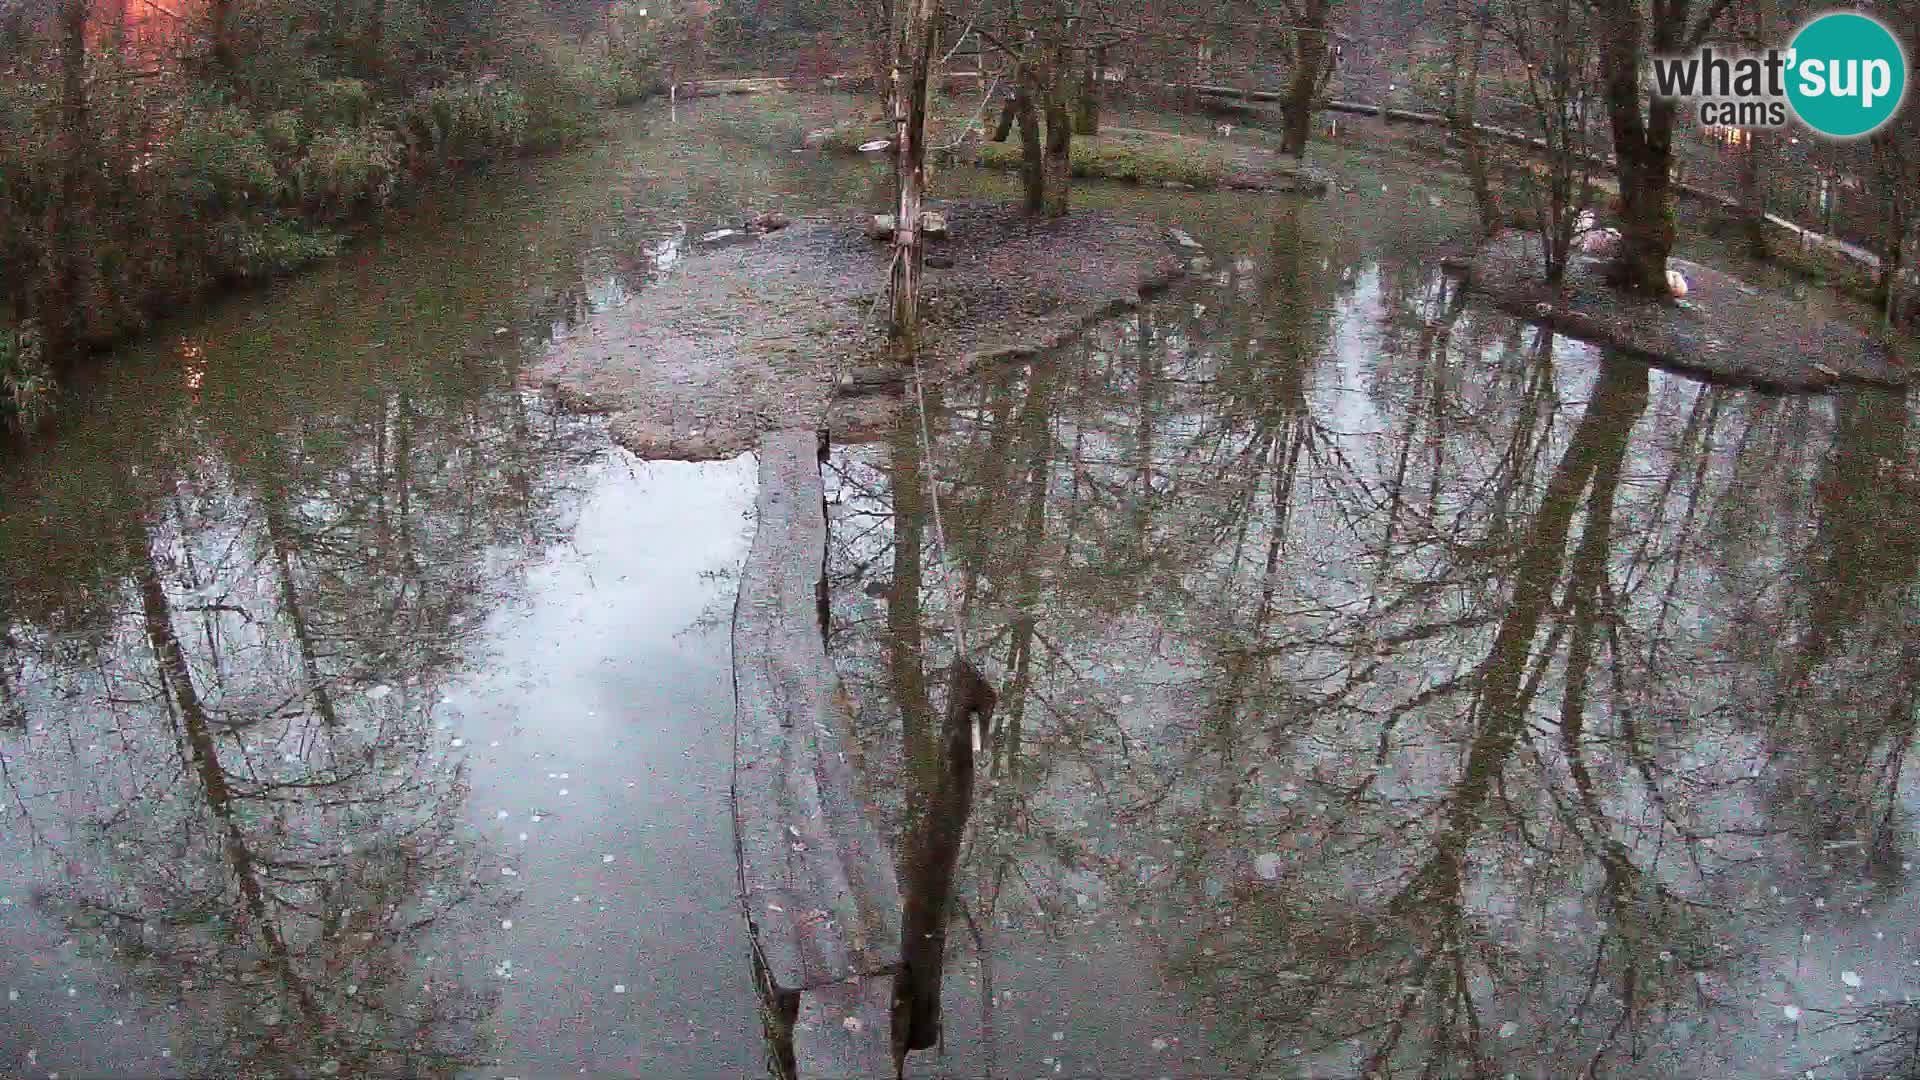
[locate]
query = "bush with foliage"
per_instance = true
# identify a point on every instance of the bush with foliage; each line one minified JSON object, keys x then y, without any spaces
{"x":193,"y":170}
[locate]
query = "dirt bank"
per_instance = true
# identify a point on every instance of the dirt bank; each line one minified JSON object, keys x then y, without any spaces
{"x":759,"y":335}
{"x":1726,"y":329}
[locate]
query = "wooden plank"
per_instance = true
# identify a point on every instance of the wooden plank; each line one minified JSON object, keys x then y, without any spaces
{"x":821,"y":896}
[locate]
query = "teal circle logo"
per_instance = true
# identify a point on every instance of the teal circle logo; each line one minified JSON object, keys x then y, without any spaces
{"x":1846,"y":75}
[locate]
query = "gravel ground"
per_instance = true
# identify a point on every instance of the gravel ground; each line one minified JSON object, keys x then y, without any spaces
{"x":757,"y":336}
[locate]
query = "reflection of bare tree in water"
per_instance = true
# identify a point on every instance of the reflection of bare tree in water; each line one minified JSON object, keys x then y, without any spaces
{"x":1301,"y":973}
{"x":278,"y":848}
{"x":286,"y":902}
{"x":1445,"y":740}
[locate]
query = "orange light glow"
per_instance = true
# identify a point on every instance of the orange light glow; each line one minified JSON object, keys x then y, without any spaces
{"x":151,"y":28}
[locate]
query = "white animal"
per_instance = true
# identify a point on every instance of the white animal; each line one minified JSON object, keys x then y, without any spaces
{"x":1676,"y":284}
{"x":1223,"y":129}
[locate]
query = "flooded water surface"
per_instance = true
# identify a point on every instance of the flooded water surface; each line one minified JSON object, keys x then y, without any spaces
{"x":1386,"y":688}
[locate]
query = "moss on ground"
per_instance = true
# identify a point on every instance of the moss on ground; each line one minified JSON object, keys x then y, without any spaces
{"x":1132,"y":158}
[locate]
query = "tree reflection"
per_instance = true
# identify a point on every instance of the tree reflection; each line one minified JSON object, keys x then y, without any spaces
{"x":1454,"y":699}
{"x":266,"y":826}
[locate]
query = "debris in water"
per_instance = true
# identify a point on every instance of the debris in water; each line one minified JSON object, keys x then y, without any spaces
{"x":502,"y":815}
{"x":619,"y":988}
{"x":853,"y":1024}
{"x":1158,"y":1045}
{"x":499,"y":331}
{"x":1059,"y":1035}
{"x":458,"y":743}
{"x":508,"y":871}
{"x":506,"y":924}
{"x":1851,"y":978}
{"x":606,"y":858}
{"x":1793,"y":1012}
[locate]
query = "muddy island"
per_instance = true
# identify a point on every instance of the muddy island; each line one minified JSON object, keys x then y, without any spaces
{"x":788,"y":330}
{"x":1725,"y":330}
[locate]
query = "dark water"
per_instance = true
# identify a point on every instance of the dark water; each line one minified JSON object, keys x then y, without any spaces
{"x":1391,"y":691}
{"x":1384,"y":689}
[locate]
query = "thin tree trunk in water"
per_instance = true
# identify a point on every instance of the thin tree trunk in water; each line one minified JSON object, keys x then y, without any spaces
{"x":910,"y":177}
{"x":904,"y":631}
{"x":1033,"y":179}
{"x":296,"y":615}
{"x":1466,"y":121}
{"x":933,"y":854}
{"x":1753,"y":196}
{"x":1310,"y":51}
{"x":59,"y":307}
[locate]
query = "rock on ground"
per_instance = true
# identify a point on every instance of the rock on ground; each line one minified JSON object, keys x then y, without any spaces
{"x":753,"y":337}
{"x":1726,"y":329}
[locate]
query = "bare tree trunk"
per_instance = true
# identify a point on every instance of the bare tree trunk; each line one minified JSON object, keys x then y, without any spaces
{"x":1309,"y":54}
{"x":220,"y":34}
{"x":1465,"y":106}
{"x":1003,"y":127}
{"x":1086,"y":120}
{"x":374,"y":44}
{"x":1753,"y":195}
{"x":1889,"y":167}
{"x":1057,"y":162}
{"x":1464,"y":12}
{"x":884,"y":41}
{"x":932,"y":857}
{"x":910,"y":175}
{"x":59,"y":308}
{"x":1033,"y":178}
{"x":1643,"y":146}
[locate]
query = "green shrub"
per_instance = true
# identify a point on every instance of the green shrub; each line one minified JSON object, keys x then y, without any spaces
{"x":636,"y":48}
{"x":348,"y":172}
{"x":218,"y":160}
{"x":466,"y":122}
{"x":26,"y":385}
{"x":341,"y":103}
{"x":251,"y":249}
{"x":564,"y":93}
{"x":285,"y":133}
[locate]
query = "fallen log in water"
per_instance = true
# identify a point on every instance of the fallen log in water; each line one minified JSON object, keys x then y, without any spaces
{"x":821,"y":896}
